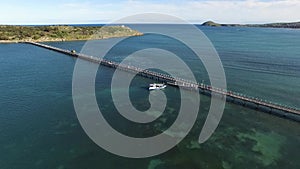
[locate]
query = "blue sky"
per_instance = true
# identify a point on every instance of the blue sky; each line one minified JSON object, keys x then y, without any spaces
{"x":106,"y":11}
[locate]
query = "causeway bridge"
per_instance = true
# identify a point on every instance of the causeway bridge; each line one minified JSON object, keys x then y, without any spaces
{"x":233,"y":97}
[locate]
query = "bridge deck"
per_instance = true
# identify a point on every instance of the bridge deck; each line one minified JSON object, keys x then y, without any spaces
{"x":286,"y":111}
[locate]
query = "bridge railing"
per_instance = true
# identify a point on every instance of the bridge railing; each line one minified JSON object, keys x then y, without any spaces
{"x":176,"y":80}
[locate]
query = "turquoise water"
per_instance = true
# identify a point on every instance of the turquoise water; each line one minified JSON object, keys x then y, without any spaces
{"x":39,"y":128}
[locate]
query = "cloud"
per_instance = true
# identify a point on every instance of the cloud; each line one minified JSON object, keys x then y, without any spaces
{"x":228,"y":11}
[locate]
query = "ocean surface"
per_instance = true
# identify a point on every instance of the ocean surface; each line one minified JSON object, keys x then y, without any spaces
{"x":39,"y":127}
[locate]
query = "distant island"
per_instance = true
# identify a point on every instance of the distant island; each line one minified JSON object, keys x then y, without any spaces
{"x":12,"y":33}
{"x":293,"y":25}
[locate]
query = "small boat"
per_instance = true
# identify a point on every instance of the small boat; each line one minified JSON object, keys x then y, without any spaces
{"x":157,"y":86}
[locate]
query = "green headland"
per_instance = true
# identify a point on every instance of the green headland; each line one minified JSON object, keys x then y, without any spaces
{"x":293,"y":25}
{"x":12,"y":33}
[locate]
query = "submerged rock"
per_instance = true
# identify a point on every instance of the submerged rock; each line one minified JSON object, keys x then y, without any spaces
{"x":267,"y":145}
{"x":193,"y":145}
{"x":154,"y":163}
{"x":226,"y":165}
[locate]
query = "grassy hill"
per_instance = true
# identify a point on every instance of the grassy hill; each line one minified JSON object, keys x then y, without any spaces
{"x":9,"y":33}
{"x":211,"y":23}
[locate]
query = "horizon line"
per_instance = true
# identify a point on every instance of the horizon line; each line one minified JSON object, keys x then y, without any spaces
{"x":107,"y":23}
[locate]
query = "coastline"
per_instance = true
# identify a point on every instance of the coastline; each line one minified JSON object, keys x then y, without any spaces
{"x":291,"y":25}
{"x":64,"y":40}
{"x":60,"y":33}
